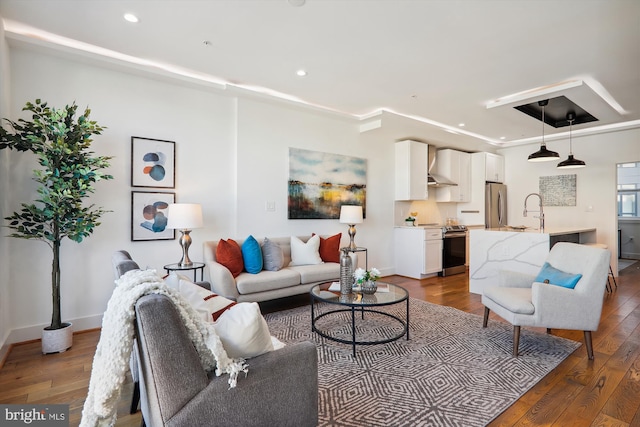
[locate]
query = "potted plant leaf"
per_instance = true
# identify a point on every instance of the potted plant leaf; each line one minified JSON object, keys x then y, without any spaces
{"x":66,"y":177}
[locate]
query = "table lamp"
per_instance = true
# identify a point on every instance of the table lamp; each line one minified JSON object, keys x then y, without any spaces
{"x":185,"y":217}
{"x":351,"y":215}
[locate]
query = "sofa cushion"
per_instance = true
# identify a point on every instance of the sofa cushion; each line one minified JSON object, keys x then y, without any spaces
{"x":330,"y":248}
{"x":272,"y":255}
{"x":516,"y":300}
{"x":305,"y":253}
{"x":252,"y":255}
{"x":229,"y":254}
{"x":243,"y":331}
{"x":317,"y":273}
{"x":267,"y":280}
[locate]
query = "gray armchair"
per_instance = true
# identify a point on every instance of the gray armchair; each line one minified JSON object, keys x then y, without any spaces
{"x":281,"y":388}
{"x":523,"y":302}
{"x":172,"y":388}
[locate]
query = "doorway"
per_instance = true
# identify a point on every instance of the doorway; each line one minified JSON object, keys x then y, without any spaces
{"x":628,"y":182}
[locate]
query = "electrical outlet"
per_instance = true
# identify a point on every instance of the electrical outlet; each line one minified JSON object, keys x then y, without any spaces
{"x":270,"y":206}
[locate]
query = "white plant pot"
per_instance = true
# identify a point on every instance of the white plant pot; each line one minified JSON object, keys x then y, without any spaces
{"x":57,"y":340}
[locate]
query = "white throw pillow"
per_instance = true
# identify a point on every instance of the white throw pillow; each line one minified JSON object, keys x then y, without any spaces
{"x":305,"y":253}
{"x":243,"y":331}
{"x":173,"y":280}
{"x":209,"y":305}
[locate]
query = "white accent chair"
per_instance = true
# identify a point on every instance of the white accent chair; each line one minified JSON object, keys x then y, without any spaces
{"x":523,"y":302}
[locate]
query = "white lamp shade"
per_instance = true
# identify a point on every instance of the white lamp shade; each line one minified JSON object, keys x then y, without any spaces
{"x":184,"y":216}
{"x":349,"y":214}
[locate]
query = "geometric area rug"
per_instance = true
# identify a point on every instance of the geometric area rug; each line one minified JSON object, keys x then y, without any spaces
{"x":451,"y":371}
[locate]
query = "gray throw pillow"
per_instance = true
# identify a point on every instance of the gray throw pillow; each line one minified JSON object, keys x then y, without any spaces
{"x":272,"y":256}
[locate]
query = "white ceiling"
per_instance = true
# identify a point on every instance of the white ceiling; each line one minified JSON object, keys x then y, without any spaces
{"x":436,"y":61}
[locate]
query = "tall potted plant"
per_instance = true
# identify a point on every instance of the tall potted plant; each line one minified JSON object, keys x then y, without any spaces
{"x":66,"y":177}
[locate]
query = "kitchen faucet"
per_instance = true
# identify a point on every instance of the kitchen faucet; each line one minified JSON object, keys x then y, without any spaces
{"x":541,"y":211}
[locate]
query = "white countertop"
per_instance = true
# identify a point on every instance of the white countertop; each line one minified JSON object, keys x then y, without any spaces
{"x":420,"y":227}
{"x":551,"y":231}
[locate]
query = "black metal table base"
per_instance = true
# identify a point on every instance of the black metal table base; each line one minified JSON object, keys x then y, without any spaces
{"x":354,"y":342}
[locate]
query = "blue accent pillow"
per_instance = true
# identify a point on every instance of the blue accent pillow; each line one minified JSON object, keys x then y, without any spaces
{"x":553,"y":276}
{"x":252,"y":255}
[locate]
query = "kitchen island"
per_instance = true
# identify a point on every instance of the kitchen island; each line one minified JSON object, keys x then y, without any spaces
{"x":492,"y":250}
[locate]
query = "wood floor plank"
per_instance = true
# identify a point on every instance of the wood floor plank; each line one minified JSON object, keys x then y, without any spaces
{"x":624,"y":402}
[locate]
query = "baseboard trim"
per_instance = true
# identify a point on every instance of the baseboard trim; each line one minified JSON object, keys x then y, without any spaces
{"x":31,"y":333}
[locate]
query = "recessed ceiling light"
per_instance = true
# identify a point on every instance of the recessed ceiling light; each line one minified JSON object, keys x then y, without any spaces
{"x":301,"y":73}
{"x":503,"y":137}
{"x":461,"y":125}
{"x":131,"y":17}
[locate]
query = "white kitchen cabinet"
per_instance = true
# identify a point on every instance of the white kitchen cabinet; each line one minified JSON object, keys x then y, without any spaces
{"x":411,"y":169}
{"x":455,"y":166}
{"x":494,"y":167}
{"x":483,"y":167}
{"x":432,"y":256}
{"x":418,"y":251}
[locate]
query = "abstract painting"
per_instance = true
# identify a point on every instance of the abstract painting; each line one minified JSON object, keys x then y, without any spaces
{"x":319,"y":183}
{"x":153,"y":163}
{"x":149,"y":216}
{"x":558,"y":190}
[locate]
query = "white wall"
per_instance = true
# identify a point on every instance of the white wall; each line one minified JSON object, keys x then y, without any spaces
{"x":232,"y":157}
{"x":4,"y":194}
{"x":201,"y":123}
{"x":596,"y":183}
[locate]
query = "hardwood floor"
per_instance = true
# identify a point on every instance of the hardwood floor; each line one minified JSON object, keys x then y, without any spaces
{"x":579,"y":392}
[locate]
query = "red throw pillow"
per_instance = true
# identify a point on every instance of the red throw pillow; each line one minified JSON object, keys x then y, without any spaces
{"x":330,"y":248}
{"x":229,"y":254}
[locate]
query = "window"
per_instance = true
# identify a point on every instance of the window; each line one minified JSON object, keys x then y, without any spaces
{"x":628,"y":189}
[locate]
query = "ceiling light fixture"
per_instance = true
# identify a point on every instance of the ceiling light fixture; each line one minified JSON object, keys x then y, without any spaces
{"x":571,"y":162}
{"x":301,"y":73}
{"x":543,"y":155}
{"x":131,"y":17}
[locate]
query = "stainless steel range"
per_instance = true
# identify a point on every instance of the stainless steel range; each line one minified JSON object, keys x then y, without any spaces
{"x":454,"y":249}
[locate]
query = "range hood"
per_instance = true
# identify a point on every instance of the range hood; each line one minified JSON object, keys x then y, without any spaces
{"x":433,"y":179}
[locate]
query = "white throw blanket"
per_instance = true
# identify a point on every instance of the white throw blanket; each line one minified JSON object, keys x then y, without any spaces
{"x":110,"y":362}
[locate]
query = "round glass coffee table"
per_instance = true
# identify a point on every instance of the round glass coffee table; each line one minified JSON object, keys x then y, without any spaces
{"x":387,"y":294}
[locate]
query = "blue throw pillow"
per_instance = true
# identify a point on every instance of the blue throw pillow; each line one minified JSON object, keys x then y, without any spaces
{"x":252,"y":255}
{"x":553,"y":276}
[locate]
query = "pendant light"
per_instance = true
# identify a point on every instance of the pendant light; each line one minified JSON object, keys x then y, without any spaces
{"x":543,"y":155}
{"x":571,"y":163}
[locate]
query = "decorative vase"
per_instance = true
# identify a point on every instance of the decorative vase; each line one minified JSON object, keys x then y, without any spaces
{"x":369,"y":287}
{"x":57,"y":340}
{"x":346,"y":272}
{"x":410,"y":223}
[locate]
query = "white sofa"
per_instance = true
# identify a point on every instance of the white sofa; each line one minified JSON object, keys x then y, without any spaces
{"x":268,"y":285}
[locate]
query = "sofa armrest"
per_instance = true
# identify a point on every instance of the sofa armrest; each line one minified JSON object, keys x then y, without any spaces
{"x":281,"y":389}
{"x":553,"y":310}
{"x":222,"y":281}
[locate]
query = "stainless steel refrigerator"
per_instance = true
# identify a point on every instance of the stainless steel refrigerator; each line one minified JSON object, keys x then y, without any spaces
{"x":495,"y":214}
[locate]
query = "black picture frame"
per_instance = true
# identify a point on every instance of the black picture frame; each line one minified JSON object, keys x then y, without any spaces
{"x":149,"y":215}
{"x":153,"y":163}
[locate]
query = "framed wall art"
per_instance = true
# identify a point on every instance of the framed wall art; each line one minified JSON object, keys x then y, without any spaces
{"x":149,"y":215}
{"x":153,"y":163}
{"x":558,"y":190}
{"x":319,"y":183}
